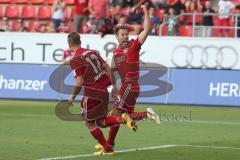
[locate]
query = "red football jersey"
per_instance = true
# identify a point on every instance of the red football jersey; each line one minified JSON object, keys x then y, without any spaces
{"x":81,"y":5}
{"x":67,"y":54}
{"x":89,"y":65}
{"x":126,"y":61}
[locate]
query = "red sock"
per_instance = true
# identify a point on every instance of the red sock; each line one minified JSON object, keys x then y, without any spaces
{"x":112,"y":134}
{"x":112,"y":120}
{"x":136,"y":116}
{"x":98,"y":135}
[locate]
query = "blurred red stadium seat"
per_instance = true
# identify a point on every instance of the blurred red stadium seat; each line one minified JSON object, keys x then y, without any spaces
{"x":236,"y":2}
{"x":49,"y":1}
{"x":66,"y":13}
{"x":69,"y":2}
{"x":164,"y":30}
{"x":198,"y":17}
{"x":20,"y":1}
{"x":5,"y":1}
{"x":11,"y":11}
{"x":71,"y":26}
{"x":231,"y":32}
{"x":112,"y":11}
{"x":44,"y":12}
{"x":1,"y":11}
{"x":185,"y":30}
{"x":36,"y":1}
{"x":33,"y":24}
{"x":215,"y":32}
{"x":14,"y":25}
{"x":28,"y":11}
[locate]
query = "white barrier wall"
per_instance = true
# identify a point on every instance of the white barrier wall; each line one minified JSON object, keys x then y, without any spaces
{"x":158,"y":84}
{"x":221,"y":53}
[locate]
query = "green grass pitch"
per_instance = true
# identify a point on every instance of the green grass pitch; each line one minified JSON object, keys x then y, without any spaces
{"x":30,"y":130}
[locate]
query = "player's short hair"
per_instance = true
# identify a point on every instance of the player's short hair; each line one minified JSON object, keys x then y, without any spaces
{"x":74,"y":38}
{"x":119,"y":27}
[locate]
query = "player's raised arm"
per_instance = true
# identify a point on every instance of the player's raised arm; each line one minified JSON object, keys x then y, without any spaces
{"x":146,"y":25}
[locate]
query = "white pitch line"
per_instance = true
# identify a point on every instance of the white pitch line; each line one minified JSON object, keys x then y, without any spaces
{"x":140,"y":149}
{"x":214,"y":122}
{"x":120,"y":151}
{"x":214,"y":147}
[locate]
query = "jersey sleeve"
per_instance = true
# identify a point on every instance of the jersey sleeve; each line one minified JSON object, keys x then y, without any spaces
{"x":136,"y":44}
{"x":134,"y":50}
{"x":79,"y":71}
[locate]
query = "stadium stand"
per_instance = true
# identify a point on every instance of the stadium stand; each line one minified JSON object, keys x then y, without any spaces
{"x":5,"y":1}
{"x":1,"y":11}
{"x":28,"y":11}
{"x":20,"y":1}
{"x":44,"y":12}
{"x":36,"y":1}
{"x":11,"y":11}
{"x":185,"y":30}
{"x":41,"y":10}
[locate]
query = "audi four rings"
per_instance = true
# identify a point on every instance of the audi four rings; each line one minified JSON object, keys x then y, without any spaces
{"x":210,"y":57}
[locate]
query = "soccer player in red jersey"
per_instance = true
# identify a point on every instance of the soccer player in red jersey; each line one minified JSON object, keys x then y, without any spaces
{"x":92,"y":74}
{"x":67,"y":56}
{"x":126,"y":64}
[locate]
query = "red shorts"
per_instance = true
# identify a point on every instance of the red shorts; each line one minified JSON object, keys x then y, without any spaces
{"x":95,"y":104}
{"x":127,"y":96}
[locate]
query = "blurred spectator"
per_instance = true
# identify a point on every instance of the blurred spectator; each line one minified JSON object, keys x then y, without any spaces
{"x":237,"y":10}
{"x":120,"y":3}
{"x":5,"y":26}
{"x":58,"y":13}
{"x":127,"y":3}
{"x":172,"y":2}
{"x":67,"y":56}
{"x":207,"y":19}
{"x":105,"y":26}
{"x":136,"y":16}
{"x":172,"y":23}
{"x":155,"y":22}
{"x":159,"y":3}
{"x":63,"y":28}
{"x":90,"y":27}
{"x":22,"y":26}
{"x":135,"y":20}
{"x":116,"y":14}
{"x":179,"y":7}
{"x":81,"y":14}
{"x":43,"y":28}
{"x":224,"y":8}
{"x":122,"y":20}
{"x":99,"y":10}
{"x":189,"y":6}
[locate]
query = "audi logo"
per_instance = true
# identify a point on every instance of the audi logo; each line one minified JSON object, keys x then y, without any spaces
{"x":209,"y":57}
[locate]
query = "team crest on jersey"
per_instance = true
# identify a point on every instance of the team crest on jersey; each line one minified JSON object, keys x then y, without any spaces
{"x":120,"y":59}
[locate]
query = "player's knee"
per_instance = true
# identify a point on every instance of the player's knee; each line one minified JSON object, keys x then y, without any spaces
{"x":101,"y":123}
{"x":90,"y":124}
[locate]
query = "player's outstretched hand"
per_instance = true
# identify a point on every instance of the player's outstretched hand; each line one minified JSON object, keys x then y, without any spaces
{"x":70,"y":101}
{"x":144,"y":7}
